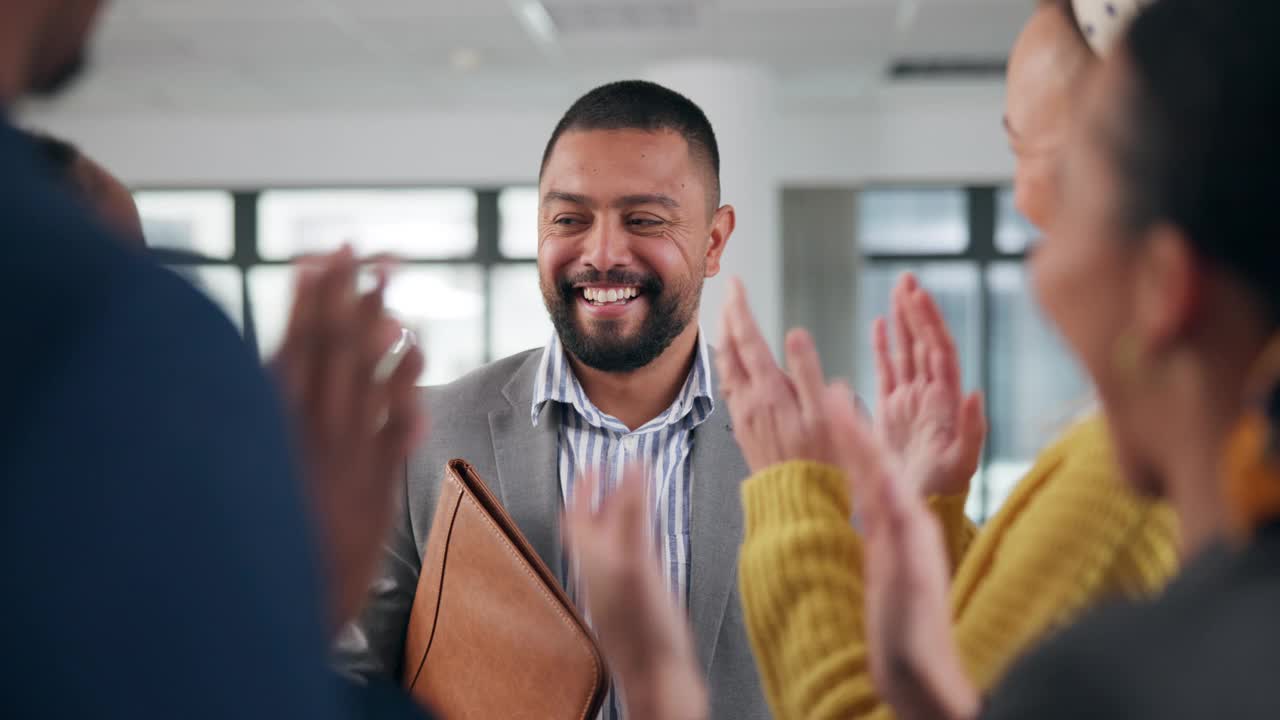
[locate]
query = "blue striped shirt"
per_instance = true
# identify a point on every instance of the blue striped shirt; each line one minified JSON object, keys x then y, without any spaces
{"x":589,"y":439}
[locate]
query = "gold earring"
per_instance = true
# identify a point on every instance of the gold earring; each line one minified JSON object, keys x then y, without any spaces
{"x":1251,"y":467}
{"x":1252,"y":482}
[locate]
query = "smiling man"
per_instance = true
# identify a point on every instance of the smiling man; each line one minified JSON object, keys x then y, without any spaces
{"x":630,"y":225}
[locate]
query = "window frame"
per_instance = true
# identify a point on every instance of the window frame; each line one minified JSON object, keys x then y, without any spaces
{"x":245,"y":254}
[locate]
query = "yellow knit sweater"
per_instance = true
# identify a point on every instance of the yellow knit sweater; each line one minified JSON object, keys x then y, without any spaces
{"x":1069,"y":535}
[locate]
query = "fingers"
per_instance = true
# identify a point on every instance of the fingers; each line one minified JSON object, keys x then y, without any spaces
{"x":973,"y":424}
{"x":373,"y":332}
{"x":624,"y":514}
{"x":756,"y":357}
{"x":292,"y":360}
{"x":406,"y":417}
{"x":806,"y":373}
{"x":581,"y":511}
{"x":859,"y":455}
{"x":884,"y":361}
{"x":904,"y":340}
{"x":733,"y":374}
{"x":333,"y":352}
{"x":928,"y":323}
{"x":923,"y":365}
{"x":628,"y":507}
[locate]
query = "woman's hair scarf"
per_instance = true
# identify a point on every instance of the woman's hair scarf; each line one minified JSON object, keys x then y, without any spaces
{"x":1103,"y":22}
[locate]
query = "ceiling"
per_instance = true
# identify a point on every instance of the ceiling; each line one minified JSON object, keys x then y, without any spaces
{"x":250,"y":55}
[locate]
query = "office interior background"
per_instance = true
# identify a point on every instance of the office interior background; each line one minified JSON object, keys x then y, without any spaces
{"x":859,"y":138}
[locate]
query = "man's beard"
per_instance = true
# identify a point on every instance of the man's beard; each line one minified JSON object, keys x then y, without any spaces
{"x":605,"y":349}
{"x":61,"y":78}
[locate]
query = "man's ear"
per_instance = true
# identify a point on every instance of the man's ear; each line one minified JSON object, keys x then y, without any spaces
{"x":722,"y":225}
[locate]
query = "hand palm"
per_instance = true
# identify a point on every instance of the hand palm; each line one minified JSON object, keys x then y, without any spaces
{"x":920,"y":428}
{"x":927,"y":426}
{"x":914,"y":662}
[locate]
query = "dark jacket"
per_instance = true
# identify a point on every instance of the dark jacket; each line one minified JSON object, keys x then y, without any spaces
{"x":158,"y":560}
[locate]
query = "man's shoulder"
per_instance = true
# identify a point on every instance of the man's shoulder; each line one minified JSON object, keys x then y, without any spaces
{"x":486,"y":386}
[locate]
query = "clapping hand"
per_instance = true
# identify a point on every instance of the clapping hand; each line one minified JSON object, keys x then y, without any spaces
{"x":933,"y":431}
{"x":643,"y":633}
{"x":355,"y":422}
{"x":777,"y":416}
{"x":914,"y":661}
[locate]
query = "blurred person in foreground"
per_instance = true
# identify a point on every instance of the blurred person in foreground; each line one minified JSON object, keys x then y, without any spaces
{"x":1159,"y":271}
{"x":1070,"y":536}
{"x":162,"y":562}
{"x":108,"y":197}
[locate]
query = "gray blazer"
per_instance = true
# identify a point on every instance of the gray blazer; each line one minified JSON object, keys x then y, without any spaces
{"x":485,"y":419}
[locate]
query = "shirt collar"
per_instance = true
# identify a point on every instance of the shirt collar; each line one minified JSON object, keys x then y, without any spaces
{"x":556,"y":382}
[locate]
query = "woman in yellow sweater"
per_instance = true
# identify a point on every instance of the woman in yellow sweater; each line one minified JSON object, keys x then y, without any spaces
{"x":1069,"y":536}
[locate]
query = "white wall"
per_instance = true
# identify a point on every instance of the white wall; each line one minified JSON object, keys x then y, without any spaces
{"x":903,"y":135}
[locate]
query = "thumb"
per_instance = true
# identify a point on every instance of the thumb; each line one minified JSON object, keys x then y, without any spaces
{"x":973,"y":422}
{"x":859,"y":456}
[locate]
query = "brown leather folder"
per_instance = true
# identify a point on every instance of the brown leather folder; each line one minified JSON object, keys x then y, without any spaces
{"x":491,"y":633}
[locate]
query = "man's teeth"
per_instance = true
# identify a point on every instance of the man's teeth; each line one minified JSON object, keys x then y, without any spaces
{"x":602,"y":296}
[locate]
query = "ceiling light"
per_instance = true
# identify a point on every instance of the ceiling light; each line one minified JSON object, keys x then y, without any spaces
{"x":533,"y":15}
{"x":465,"y":59}
{"x":907,"y":12}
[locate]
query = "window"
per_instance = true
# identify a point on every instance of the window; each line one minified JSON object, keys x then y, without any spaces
{"x":912,"y":221}
{"x":193,"y":232}
{"x":1036,"y":388}
{"x":518,"y":210}
{"x":198,"y":222}
{"x":223,"y":284}
{"x":967,"y":246}
{"x":1014,"y":234}
{"x":403,"y":223}
{"x":520,"y":319}
{"x":466,"y":282}
{"x":442,"y":304}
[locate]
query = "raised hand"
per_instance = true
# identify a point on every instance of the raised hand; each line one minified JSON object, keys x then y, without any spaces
{"x":934,"y":431}
{"x":644,"y":635}
{"x":776,"y":416}
{"x":914,"y":661}
{"x":356,"y":422}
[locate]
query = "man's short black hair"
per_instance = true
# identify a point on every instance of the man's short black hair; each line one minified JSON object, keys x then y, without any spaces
{"x":643,"y":105}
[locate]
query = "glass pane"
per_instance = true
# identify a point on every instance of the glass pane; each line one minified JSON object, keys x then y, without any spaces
{"x":518,"y":222}
{"x":223,"y":285}
{"x":1037,"y":388}
{"x":404,"y":223}
{"x":193,"y":221}
{"x":1014,"y":233}
{"x":520,"y":319}
{"x":912,"y":221}
{"x":444,"y":305}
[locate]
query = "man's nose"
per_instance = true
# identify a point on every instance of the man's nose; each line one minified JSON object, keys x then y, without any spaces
{"x":606,"y":246}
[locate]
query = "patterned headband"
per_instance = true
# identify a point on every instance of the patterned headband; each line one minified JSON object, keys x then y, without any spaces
{"x":1104,"y":21}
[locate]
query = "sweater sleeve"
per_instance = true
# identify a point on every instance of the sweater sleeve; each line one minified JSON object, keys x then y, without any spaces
{"x":801,"y":584}
{"x":958,"y":531}
{"x":1053,"y":549}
